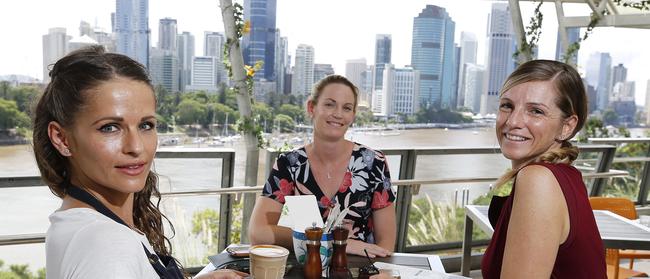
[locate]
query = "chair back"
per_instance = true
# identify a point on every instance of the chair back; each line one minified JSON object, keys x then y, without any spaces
{"x":620,"y":206}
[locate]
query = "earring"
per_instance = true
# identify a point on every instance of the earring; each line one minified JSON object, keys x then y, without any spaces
{"x":66,"y":152}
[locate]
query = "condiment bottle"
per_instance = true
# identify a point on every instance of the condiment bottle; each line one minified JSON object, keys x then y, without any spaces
{"x":339,"y":262}
{"x":313,"y":268}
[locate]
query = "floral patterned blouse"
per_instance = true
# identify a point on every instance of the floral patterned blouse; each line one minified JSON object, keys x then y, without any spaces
{"x":365,"y":187}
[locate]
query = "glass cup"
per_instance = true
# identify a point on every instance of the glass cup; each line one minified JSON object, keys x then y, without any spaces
{"x":268,"y":261}
{"x":644,"y":220}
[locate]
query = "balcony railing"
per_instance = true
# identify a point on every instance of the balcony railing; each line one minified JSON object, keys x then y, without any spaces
{"x":595,"y":166}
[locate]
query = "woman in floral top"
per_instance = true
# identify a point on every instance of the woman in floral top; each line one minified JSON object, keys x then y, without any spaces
{"x":336,"y":171}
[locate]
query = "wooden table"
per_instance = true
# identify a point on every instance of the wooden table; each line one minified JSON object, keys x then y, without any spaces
{"x":617,"y":232}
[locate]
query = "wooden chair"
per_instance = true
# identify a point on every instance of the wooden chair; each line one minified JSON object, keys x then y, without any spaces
{"x":625,"y":208}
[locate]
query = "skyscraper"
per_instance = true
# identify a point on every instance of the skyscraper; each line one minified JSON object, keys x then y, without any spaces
{"x":400,"y":91}
{"x":132,"y":29}
{"x":204,"y":73}
{"x":573,"y":35}
{"x":322,"y":70}
{"x":167,"y":33}
{"x":259,"y":44}
{"x":163,"y":68}
{"x":468,"y":50}
{"x":354,"y":69}
{"x":213,"y":46}
{"x":500,"y":63}
{"x":303,"y":71}
{"x":599,"y":70}
{"x":647,"y":104}
{"x":54,"y":47}
{"x":473,"y":86}
{"x":185,"y":52}
{"x":432,"y":53}
{"x":383,"y":49}
{"x":282,"y":61}
{"x":619,"y":74}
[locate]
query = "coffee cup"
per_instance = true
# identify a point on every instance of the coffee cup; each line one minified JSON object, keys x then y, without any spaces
{"x":268,"y":261}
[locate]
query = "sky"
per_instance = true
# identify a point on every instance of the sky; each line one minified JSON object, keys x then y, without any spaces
{"x":337,"y":29}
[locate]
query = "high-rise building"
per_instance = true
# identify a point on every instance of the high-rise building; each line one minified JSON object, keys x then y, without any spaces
{"x":619,"y":74}
{"x":105,"y":39}
{"x":473,"y":86}
{"x":167,"y":34}
{"x":500,"y":63}
{"x":55,"y":46}
{"x":400,"y":91}
{"x":599,"y":70}
{"x":163,"y":68}
{"x":213,"y":45}
{"x":185,"y":52}
{"x":204,"y":73}
{"x":259,"y":44}
{"x":383,"y":49}
{"x":322,"y":70}
{"x":573,"y":35}
{"x":282,"y":62}
{"x":86,"y":29}
{"x":432,"y":53}
{"x":132,"y":29}
{"x":622,"y":102}
{"x":80,"y":42}
{"x":303,"y":71}
{"x":354,"y":69}
{"x":468,"y":50}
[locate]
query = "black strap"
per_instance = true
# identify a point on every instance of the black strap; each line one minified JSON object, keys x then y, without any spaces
{"x":169,"y":271}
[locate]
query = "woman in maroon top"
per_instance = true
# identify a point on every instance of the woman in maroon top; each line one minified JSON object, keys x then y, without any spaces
{"x":545,"y":229}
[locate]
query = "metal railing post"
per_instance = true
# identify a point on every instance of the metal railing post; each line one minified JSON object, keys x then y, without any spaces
{"x":404,"y":197}
{"x":225,"y":204}
{"x":642,"y":198}
{"x":604,"y":164}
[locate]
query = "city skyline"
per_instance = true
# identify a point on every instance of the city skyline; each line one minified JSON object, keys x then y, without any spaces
{"x":336,"y":34}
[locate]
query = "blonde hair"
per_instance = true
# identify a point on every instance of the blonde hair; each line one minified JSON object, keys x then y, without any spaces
{"x":571,"y":99}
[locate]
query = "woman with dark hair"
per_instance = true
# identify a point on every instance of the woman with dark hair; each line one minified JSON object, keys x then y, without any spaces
{"x":336,"y":171}
{"x":94,"y":142}
{"x":545,"y":228}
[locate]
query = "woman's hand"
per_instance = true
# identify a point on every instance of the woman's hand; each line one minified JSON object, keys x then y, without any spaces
{"x":356,"y":247}
{"x":223,"y":274}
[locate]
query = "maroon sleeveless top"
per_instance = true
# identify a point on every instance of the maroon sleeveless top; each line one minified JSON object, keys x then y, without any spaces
{"x":582,"y":254}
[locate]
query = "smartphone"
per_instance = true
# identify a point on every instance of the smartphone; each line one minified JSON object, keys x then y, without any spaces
{"x":238,"y":251}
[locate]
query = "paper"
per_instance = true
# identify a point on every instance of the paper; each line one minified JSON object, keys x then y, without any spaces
{"x":416,"y":273}
{"x":300,"y":212}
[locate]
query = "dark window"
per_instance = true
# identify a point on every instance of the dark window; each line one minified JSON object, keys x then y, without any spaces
{"x":428,"y":77}
{"x":430,"y":45}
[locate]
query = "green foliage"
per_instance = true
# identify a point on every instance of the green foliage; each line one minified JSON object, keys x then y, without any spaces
{"x":431,"y":115}
{"x":205,"y":224}
{"x":191,"y":111}
{"x":284,"y":123}
{"x":434,"y":223}
{"x":11,"y":117}
{"x":293,"y":111}
{"x":20,"y":271}
{"x":533,"y":33}
{"x":610,"y":117}
{"x":263,"y":112}
{"x":364,"y":118}
{"x":249,"y":124}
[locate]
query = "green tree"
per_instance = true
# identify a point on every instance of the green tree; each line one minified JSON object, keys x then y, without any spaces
{"x":191,"y":111}
{"x":11,"y":117}
{"x":205,"y":224}
{"x":264,"y":113}
{"x":610,"y":117}
{"x":364,"y":118}
{"x":285,"y":123}
{"x":24,"y":96}
{"x":293,"y":111}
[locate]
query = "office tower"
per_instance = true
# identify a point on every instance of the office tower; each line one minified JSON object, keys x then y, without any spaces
{"x":468,"y":50}
{"x":354,"y":69}
{"x":647,"y":104}
{"x":432,"y":53}
{"x":167,"y":33}
{"x":85,"y":29}
{"x":400,"y":91}
{"x":474,"y":79}
{"x":80,"y":42}
{"x":132,"y":29}
{"x":105,"y":39}
{"x":383,"y":49}
{"x":185,"y":52}
{"x":453,"y":103}
{"x":500,"y":63}
{"x":213,"y":45}
{"x":322,"y":70}
{"x":259,"y":44}
{"x":619,"y":74}
{"x":599,"y":68}
{"x":303,"y":71}
{"x":163,"y":68}
{"x":622,"y":102}
{"x":573,"y":35}
{"x":204,"y":73}
{"x":54,"y":47}
{"x":282,"y":61}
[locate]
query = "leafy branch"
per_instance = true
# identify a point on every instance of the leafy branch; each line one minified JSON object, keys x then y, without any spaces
{"x":534,"y":31}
